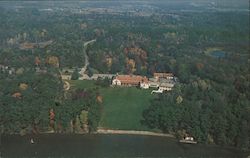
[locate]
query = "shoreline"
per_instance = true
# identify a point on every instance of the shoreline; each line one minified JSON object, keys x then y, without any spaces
{"x":133,"y":132}
{"x":107,"y":131}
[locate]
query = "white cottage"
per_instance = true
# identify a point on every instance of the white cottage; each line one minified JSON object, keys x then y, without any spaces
{"x":116,"y":82}
{"x":144,"y":85}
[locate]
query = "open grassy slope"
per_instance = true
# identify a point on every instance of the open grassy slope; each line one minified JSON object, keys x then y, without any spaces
{"x":122,"y":106}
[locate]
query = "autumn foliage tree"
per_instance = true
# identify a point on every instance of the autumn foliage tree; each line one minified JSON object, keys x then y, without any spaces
{"x":52,"y":61}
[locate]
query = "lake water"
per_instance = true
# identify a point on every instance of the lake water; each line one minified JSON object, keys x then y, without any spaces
{"x":108,"y":146}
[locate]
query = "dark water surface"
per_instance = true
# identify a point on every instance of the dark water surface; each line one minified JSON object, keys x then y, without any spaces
{"x":108,"y":146}
{"x":218,"y":54}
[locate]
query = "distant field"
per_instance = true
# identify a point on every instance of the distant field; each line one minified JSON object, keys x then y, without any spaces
{"x":122,"y":106}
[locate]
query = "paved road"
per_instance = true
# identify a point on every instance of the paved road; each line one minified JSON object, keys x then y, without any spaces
{"x":83,"y":69}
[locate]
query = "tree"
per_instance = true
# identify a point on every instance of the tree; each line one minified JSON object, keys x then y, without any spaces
{"x":53,"y":61}
{"x":94,"y":116}
{"x":89,"y":71}
{"x":243,"y":137}
{"x":78,"y":125}
{"x":75,"y":75}
{"x":103,"y":82}
{"x":84,"y":120}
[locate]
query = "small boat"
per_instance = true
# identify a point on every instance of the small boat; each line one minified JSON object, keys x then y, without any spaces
{"x":32,"y":141}
{"x":189,"y":140}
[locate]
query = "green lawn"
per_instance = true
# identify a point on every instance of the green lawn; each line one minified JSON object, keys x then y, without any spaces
{"x":122,"y":106}
{"x":81,"y":84}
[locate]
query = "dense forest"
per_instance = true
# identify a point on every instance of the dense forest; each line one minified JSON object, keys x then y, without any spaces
{"x":211,"y":102}
{"x":34,"y":101}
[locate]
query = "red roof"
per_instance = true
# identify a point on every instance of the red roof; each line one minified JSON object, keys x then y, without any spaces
{"x":17,"y":95}
{"x":131,"y":79}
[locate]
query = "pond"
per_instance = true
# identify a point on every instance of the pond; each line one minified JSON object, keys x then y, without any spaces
{"x":218,"y":54}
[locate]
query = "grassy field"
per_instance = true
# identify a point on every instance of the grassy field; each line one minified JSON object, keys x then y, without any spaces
{"x":81,"y":84}
{"x":123,"y":106}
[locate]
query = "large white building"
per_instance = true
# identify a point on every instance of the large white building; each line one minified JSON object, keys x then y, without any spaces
{"x":131,"y":80}
{"x":162,"y":81}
